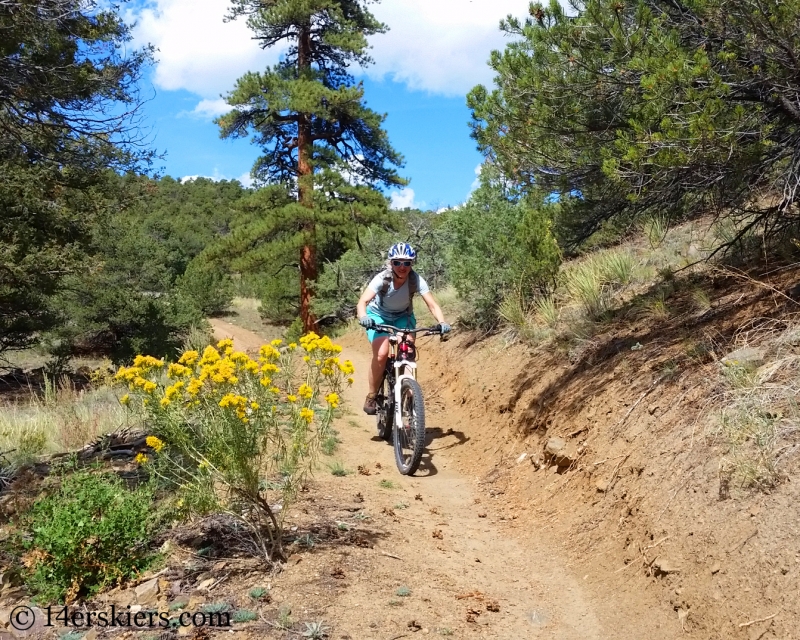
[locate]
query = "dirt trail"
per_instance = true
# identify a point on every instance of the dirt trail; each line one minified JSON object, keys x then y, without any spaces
{"x":245,"y":339}
{"x":440,"y":535}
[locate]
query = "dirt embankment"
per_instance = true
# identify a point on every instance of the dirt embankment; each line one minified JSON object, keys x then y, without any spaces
{"x":637,"y":505}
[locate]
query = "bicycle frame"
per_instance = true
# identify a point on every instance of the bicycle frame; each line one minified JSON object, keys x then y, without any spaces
{"x":402,"y":356}
{"x":403,"y":368}
{"x":404,"y":423}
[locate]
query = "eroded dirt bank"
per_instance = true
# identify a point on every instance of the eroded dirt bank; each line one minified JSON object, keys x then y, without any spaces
{"x":640,"y":512}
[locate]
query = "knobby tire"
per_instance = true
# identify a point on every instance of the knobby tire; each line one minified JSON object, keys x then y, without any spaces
{"x":385,"y":415}
{"x":409,"y":435}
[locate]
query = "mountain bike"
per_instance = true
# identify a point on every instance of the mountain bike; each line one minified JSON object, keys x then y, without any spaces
{"x":401,"y":408}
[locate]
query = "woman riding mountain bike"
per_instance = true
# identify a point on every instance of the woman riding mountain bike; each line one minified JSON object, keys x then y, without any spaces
{"x":388,"y":299}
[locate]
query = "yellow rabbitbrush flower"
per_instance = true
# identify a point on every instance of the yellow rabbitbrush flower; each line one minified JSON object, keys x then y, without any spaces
{"x":194,"y":386}
{"x":128,"y":374}
{"x":173,"y":390}
{"x":251,"y":366}
{"x":305,"y":391}
{"x":189,"y":358}
{"x":210,"y":356}
{"x":176,"y":370}
{"x":125,"y":400}
{"x":147,"y":362}
{"x":231,"y":419}
{"x":232,"y":400}
{"x":141,"y":458}
{"x":332,"y":399}
{"x":267,"y":352}
{"x":154,"y":443}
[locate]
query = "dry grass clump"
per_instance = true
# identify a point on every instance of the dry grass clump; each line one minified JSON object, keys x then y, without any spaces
{"x":63,"y":418}
{"x":760,"y":420}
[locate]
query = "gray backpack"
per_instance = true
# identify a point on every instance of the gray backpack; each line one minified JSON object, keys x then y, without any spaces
{"x":413,"y":286}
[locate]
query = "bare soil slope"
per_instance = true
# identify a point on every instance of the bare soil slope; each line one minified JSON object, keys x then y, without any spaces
{"x":640,"y":509}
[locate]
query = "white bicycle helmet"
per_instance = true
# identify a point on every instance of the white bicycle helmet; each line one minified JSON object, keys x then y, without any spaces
{"x":402,"y":251}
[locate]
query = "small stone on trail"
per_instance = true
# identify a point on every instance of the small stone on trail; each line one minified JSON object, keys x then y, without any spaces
{"x":559,"y":453}
{"x":147,"y":592}
{"x":715,"y":568}
{"x":602,"y":485}
{"x":522,"y":458}
{"x":666,"y":565}
{"x":554,"y":446}
{"x":748,"y":357}
{"x":205,"y":584}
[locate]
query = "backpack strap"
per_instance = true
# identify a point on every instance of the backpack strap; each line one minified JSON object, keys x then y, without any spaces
{"x":413,"y":286}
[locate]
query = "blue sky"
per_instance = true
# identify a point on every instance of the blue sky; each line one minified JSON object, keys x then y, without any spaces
{"x":435,"y":51}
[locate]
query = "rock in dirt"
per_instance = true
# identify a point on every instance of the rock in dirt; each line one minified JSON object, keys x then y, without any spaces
{"x":666,"y":565}
{"x":522,"y":458}
{"x":147,"y":592}
{"x":205,"y":584}
{"x":748,"y":357}
{"x":602,"y":485}
{"x":554,"y":446}
{"x":715,"y":568}
{"x":558,"y":452}
{"x":92,"y":634}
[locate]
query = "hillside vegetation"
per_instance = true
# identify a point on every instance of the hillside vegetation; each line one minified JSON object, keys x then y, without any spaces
{"x":623,"y":279}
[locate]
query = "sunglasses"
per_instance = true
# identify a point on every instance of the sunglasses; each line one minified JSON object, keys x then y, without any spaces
{"x":401,"y":263}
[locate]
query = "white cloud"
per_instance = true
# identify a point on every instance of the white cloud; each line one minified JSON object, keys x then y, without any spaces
{"x":402,"y":199}
{"x":477,"y":181}
{"x":209,"y":108}
{"x":197,"y":51}
{"x":439,"y":46}
{"x":246,"y":179}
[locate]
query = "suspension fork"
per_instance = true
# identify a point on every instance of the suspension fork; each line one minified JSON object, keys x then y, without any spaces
{"x":411,"y":373}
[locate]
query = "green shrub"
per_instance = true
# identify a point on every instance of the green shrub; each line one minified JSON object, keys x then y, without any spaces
{"x":207,"y":285}
{"x":89,"y":533}
{"x":501,"y":244}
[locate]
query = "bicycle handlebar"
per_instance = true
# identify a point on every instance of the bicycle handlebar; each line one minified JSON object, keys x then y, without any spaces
{"x":387,"y":328}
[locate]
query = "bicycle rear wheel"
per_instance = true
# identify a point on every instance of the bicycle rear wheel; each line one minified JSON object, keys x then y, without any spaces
{"x":409,"y":435}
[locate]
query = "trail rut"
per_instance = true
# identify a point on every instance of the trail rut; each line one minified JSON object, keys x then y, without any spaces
{"x":470,"y":572}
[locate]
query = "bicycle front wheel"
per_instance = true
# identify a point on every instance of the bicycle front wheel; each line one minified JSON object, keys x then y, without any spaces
{"x":409,"y":435}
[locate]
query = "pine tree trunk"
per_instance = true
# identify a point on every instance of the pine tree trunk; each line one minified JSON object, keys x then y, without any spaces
{"x":308,"y":252}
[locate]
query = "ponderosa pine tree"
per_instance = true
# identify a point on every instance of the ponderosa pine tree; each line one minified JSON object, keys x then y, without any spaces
{"x":308,"y":114}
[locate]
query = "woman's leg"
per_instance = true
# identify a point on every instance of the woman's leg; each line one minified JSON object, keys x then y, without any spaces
{"x":380,"y":353}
